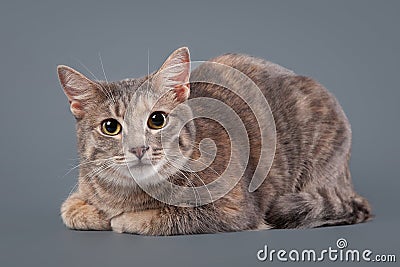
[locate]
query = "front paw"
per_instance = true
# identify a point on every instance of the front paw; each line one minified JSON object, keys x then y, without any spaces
{"x":133,"y":222}
{"x":118,"y":223}
{"x":79,"y":215}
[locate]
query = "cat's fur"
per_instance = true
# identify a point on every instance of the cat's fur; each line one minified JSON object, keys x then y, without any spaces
{"x":309,"y":183}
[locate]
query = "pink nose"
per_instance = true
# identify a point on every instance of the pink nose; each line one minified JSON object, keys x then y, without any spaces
{"x":139,"y":151}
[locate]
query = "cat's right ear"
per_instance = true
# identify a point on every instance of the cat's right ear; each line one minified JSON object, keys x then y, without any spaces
{"x":77,"y":87}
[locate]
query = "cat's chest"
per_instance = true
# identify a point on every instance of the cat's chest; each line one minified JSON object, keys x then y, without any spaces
{"x":114,"y":201}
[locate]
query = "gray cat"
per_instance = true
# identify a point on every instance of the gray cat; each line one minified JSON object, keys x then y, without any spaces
{"x":128,"y":145}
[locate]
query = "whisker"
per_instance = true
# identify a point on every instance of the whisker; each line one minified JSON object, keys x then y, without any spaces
{"x":82,"y":163}
{"x":197,"y":161}
{"x":87,"y":69}
{"x":197,"y":147}
{"x":200,"y":179}
{"x":198,"y":200}
{"x":104,"y":73}
{"x":99,"y":86}
{"x":94,"y":172}
{"x":148,"y":66}
{"x":98,"y":170}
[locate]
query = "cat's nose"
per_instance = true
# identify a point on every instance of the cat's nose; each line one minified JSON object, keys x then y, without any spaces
{"x":139,"y":151}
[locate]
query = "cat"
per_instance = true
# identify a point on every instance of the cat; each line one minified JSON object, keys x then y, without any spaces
{"x":124,"y":163}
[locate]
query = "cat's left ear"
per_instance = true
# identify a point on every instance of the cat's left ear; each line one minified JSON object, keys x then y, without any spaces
{"x":175,"y":72}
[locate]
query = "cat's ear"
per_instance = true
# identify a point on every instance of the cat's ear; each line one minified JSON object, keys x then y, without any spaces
{"x":175,"y":72}
{"x":77,"y":87}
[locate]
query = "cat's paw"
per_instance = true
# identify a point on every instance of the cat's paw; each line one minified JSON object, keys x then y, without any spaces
{"x":133,"y":222}
{"x":118,"y":224}
{"x":77,"y":214}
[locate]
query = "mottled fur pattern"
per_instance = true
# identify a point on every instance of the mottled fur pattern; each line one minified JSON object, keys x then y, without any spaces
{"x":309,"y":183}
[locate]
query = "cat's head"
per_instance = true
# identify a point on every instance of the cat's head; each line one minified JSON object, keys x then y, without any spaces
{"x":127,"y":128}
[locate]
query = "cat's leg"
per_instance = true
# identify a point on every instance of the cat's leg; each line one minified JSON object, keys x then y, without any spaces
{"x":78,"y":214}
{"x":321,"y":208}
{"x":177,"y":220}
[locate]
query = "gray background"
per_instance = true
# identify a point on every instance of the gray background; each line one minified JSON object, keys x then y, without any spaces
{"x":352,"y":47}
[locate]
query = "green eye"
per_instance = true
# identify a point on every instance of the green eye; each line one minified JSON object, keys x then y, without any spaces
{"x":110,"y":127}
{"x":157,"y":120}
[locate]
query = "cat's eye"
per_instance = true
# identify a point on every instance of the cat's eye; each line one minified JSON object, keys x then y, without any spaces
{"x":157,"y":120}
{"x":110,"y":127}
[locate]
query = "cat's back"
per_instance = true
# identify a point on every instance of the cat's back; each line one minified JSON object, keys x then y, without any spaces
{"x":285,"y":91}
{"x":250,"y":65}
{"x":229,"y":74}
{"x":311,"y":127}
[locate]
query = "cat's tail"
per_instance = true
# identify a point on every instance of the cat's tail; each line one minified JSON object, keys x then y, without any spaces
{"x":326,"y":207}
{"x":361,"y":209}
{"x":319,"y":205}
